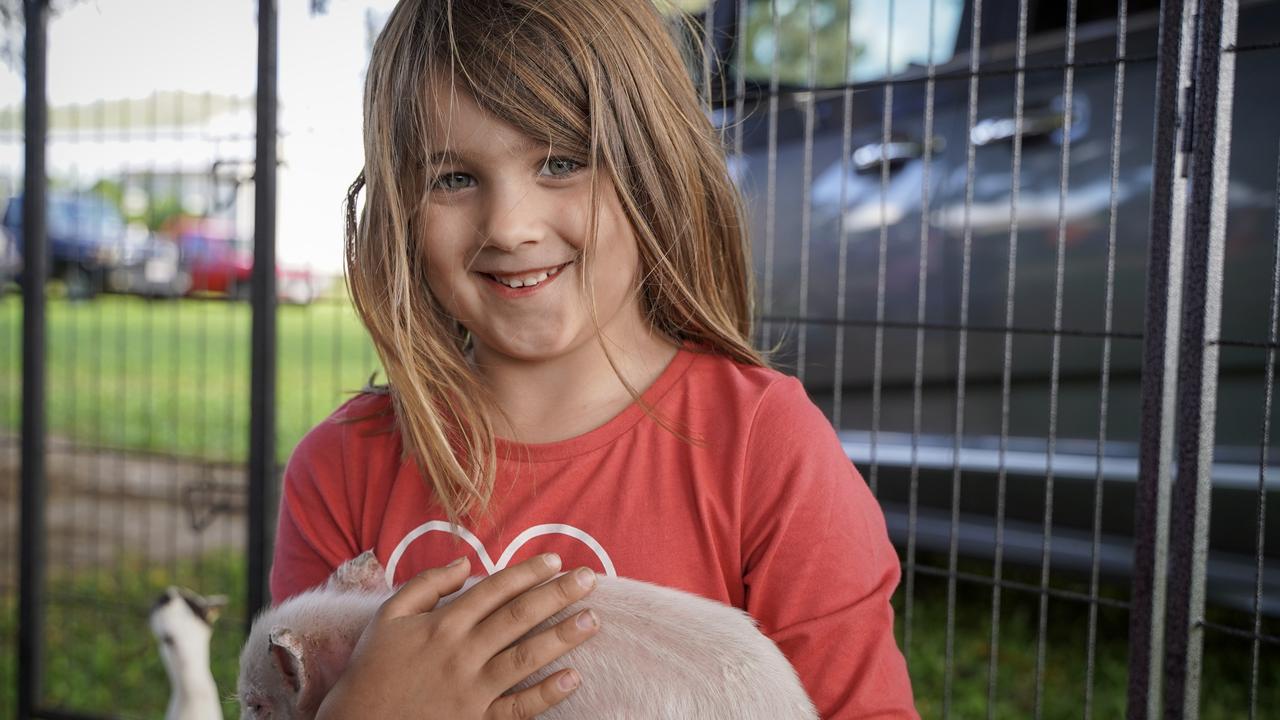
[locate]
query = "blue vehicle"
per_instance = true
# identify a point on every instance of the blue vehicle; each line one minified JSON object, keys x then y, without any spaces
{"x":86,"y":239}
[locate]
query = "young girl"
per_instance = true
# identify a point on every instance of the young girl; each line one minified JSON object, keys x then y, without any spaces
{"x":552,"y":264}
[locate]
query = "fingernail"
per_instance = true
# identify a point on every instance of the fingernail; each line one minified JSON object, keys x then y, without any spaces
{"x":587,"y":620}
{"x":457,"y":562}
{"x":568,"y":681}
{"x":552,"y":560}
{"x":586,"y":578}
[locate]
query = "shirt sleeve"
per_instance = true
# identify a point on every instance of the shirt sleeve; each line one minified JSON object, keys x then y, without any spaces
{"x":818,"y":567}
{"x":314,"y":531}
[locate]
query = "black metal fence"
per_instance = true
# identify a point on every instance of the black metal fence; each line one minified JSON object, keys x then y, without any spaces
{"x":1024,"y":253}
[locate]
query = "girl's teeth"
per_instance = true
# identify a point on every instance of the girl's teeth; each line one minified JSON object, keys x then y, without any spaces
{"x":529,"y":281}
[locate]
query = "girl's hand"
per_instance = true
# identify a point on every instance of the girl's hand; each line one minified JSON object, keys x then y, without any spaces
{"x":416,"y":661}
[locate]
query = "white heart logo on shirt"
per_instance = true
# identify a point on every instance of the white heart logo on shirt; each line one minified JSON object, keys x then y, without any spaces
{"x":490,"y":566}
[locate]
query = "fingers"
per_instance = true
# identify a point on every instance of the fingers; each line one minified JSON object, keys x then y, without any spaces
{"x":534,"y":700}
{"x":421,"y":593}
{"x":510,"y":622}
{"x":501,"y":588}
{"x":518,"y":662}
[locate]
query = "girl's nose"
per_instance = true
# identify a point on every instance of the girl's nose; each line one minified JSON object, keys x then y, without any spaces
{"x":514,"y":216}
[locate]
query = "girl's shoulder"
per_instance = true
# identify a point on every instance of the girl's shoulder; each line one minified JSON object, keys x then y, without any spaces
{"x":362,"y":421}
{"x":748,"y":400}
{"x":720,"y":376}
{"x":367,"y":406}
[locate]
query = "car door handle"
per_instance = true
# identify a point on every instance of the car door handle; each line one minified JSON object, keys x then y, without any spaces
{"x":1003,"y":129}
{"x":872,"y":156}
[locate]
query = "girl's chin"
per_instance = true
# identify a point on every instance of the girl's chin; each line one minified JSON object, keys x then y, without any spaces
{"x":526,"y":350}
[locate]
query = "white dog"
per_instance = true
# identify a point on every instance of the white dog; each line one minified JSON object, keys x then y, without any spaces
{"x":182,"y":622}
{"x":659,"y":653}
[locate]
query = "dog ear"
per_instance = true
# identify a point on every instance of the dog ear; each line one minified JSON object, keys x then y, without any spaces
{"x":207,"y":609}
{"x":362,"y":572}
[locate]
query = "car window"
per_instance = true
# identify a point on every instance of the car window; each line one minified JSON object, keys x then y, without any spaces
{"x":1050,"y":16}
{"x":82,"y":217}
{"x":852,"y":39}
{"x":194,"y":246}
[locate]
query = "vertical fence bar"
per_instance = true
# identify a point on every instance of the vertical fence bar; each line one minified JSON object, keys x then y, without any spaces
{"x":35,"y":268}
{"x":1210,"y":135}
{"x":882,"y":259}
{"x":846,"y":149}
{"x":1068,"y":89}
{"x":1160,"y":336}
{"x":262,"y":422}
{"x":913,"y":497}
{"x":953,"y":555}
{"x":1006,"y":374}
{"x":806,"y":184}
{"x":1268,"y":389}
{"x":1117,"y":122}
{"x":739,"y":77}
{"x":771,"y":180}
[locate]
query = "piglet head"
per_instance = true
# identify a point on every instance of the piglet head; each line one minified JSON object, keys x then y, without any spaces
{"x":296,"y":650}
{"x":275,"y":680}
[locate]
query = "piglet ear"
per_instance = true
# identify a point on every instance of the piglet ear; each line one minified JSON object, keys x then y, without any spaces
{"x":362,"y":572}
{"x":286,"y":649}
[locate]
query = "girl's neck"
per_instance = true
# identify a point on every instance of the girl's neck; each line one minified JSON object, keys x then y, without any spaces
{"x":573,"y":393}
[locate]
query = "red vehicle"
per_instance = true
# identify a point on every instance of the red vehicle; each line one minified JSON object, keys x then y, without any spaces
{"x":219,"y":262}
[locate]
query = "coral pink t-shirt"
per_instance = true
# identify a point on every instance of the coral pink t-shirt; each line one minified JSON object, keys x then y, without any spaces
{"x":769,"y":516}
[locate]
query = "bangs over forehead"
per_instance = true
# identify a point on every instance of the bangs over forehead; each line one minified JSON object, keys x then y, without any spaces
{"x":520,"y":62}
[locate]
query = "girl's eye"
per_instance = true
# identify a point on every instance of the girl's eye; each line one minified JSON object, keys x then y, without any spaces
{"x":453,"y":181}
{"x":559,"y":167}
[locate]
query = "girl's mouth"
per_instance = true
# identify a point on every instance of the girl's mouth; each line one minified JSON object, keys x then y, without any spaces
{"x":523,"y":286}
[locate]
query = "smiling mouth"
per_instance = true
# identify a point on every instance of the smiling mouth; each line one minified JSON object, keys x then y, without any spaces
{"x":530,"y":280}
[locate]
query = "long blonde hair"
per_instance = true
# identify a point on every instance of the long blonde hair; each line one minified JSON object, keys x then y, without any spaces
{"x":601,"y":76}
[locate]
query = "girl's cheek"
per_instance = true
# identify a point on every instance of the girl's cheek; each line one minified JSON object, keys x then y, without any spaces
{"x":444,"y":291}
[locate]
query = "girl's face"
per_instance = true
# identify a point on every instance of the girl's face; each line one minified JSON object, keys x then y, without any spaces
{"x":505,"y":210}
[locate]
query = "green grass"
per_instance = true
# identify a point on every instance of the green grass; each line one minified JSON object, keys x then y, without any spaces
{"x":1227,"y":660}
{"x":174,"y":377}
{"x":101,"y":657}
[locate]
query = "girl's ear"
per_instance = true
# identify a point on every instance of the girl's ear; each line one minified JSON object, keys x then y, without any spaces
{"x":362,"y":572}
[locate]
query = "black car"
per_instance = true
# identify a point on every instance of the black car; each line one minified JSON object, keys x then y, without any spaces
{"x":826,"y":193}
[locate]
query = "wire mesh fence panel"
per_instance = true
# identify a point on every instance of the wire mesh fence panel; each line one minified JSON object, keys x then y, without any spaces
{"x":962,"y":288}
{"x":151,"y":178}
{"x":953,"y":206}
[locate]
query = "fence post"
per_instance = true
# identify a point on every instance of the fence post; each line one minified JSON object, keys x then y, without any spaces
{"x":1159,"y":354}
{"x":31,"y":542}
{"x":262,"y":423}
{"x":1210,"y":136}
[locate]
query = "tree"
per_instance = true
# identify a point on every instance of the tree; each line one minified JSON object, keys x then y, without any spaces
{"x":13,"y":28}
{"x":828,"y":23}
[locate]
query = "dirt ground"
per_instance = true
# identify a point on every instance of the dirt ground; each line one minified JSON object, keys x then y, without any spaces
{"x":102,"y":503}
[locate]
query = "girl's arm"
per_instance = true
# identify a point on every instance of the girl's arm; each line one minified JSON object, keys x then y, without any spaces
{"x":314,"y":532}
{"x":817,"y":562}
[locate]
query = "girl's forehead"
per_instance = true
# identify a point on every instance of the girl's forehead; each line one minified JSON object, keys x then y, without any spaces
{"x":458,"y":124}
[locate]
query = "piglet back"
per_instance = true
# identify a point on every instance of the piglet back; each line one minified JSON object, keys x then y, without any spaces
{"x":664,"y":653}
